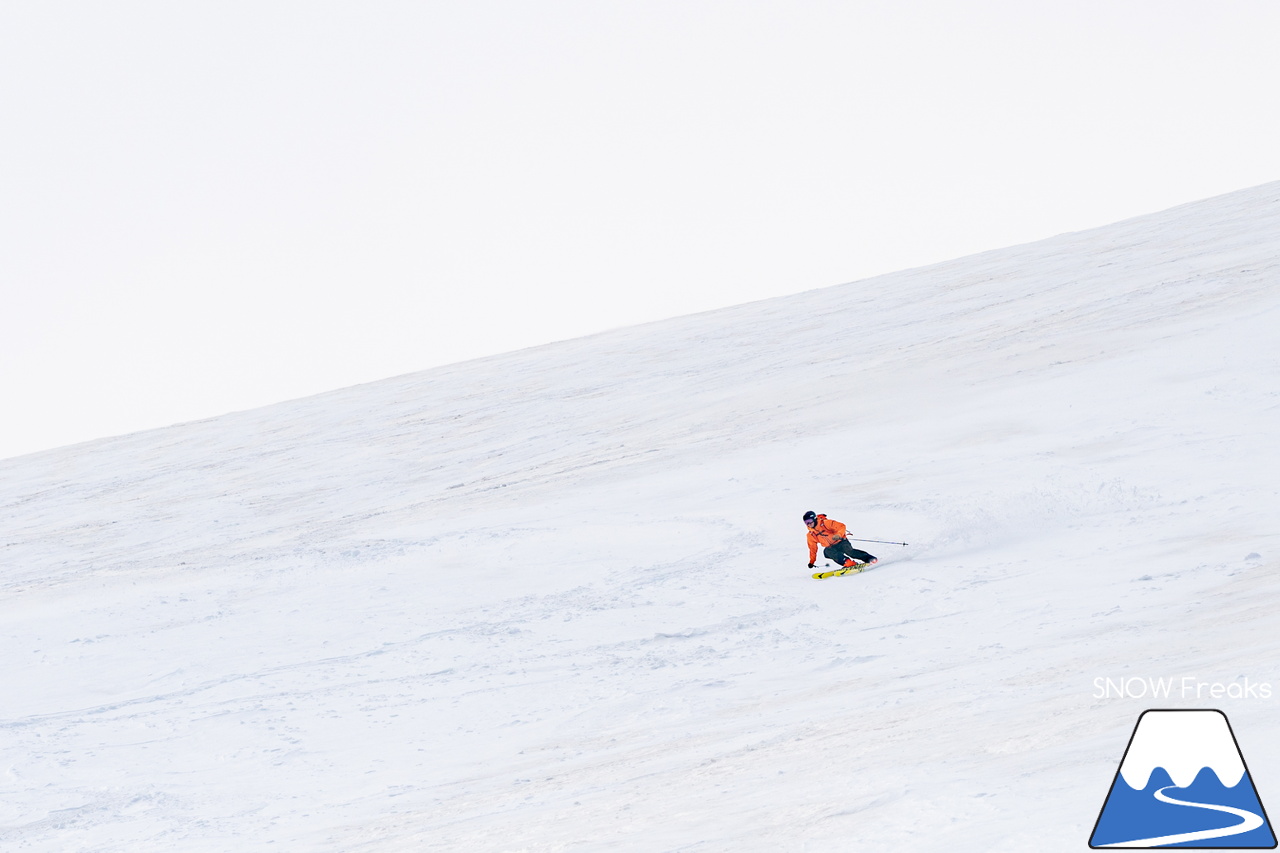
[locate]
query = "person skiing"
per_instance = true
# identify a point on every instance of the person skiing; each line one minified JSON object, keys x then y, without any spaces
{"x":831,"y":535}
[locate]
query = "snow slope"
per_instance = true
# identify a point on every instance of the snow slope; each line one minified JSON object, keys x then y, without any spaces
{"x":557,"y":599}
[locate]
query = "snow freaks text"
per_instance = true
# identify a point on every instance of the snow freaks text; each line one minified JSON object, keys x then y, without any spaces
{"x":1184,"y":687}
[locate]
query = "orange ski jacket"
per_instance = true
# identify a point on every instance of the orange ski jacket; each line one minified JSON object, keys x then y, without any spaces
{"x":826,"y":532}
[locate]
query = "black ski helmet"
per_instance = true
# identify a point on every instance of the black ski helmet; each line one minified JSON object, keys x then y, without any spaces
{"x":810,"y":516}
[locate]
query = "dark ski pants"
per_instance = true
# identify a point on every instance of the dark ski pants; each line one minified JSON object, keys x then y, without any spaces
{"x":842,"y":550}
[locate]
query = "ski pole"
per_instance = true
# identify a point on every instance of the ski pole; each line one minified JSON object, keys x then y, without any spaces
{"x":880,"y":541}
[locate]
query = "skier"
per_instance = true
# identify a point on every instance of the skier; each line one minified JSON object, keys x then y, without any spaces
{"x":831,"y":534}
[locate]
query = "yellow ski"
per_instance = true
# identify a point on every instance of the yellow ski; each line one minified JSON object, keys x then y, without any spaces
{"x":852,"y":570}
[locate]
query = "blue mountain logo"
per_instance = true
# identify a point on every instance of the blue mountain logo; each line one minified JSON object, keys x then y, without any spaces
{"x":1183,"y":783}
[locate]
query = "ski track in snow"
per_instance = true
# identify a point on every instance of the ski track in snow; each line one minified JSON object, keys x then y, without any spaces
{"x":557,"y":599}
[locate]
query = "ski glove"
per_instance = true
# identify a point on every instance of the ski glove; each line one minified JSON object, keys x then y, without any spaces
{"x":811,"y":565}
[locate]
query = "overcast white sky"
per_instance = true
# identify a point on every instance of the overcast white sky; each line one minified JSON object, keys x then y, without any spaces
{"x":210,"y":206}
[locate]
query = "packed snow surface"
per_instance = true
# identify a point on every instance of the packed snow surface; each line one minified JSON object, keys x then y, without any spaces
{"x":558,"y":600}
